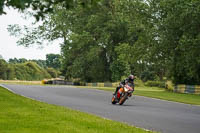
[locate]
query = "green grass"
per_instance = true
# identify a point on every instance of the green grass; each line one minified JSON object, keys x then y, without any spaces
{"x":160,"y":93}
{"x":21,"y":82}
{"x":23,"y":115}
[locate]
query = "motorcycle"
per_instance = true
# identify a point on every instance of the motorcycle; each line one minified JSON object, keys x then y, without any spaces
{"x":122,"y":95}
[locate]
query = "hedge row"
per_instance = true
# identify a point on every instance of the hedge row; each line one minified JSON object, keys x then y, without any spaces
{"x":24,"y":71}
{"x":155,"y":84}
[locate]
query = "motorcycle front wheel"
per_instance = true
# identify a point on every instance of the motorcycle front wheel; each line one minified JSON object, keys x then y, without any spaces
{"x":113,"y":101}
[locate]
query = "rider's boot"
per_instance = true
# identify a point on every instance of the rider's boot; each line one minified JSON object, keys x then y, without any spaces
{"x":116,"y":91}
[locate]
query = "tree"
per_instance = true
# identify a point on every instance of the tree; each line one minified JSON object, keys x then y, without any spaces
{"x":15,"y":60}
{"x":3,"y":69}
{"x":41,"y":8}
{"x":10,"y":72}
{"x":91,"y":36}
{"x":178,"y":38}
{"x":122,"y":65}
{"x":53,"y":60}
{"x":52,"y":72}
{"x":41,"y":63}
{"x":6,"y":70}
{"x":115,"y":25}
{"x":113,"y":38}
{"x":30,"y":71}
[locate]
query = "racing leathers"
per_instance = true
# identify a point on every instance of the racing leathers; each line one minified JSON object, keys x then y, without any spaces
{"x":128,"y":81}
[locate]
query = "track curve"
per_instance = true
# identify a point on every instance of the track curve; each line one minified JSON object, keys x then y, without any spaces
{"x":152,"y":114}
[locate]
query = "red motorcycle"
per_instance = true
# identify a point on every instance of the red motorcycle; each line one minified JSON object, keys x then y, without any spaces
{"x":122,"y":95}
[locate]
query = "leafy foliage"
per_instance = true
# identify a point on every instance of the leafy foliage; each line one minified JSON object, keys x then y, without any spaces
{"x":24,"y":70}
{"x":52,"y":72}
{"x":155,"y":84}
{"x":105,"y":42}
{"x":150,"y":38}
{"x":53,"y":60}
{"x":147,"y":75}
{"x":15,"y":60}
{"x":178,"y":37}
{"x":30,"y":71}
{"x":3,"y":66}
{"x":41,"y":63}
{"x":42,"y":7}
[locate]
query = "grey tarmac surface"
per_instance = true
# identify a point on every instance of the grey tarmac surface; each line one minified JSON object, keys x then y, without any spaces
{"x":151,"y":114}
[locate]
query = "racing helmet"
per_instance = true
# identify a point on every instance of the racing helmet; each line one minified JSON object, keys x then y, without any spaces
{"x":131,"y":77}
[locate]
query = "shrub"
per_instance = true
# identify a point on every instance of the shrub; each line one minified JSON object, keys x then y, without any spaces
{"x":30,"y":71}
{"x":155,"y":84}
{"x":138,"y":82}
{"x":10,"y":72}
{"x":3,"y":69}
{"x":169,"y":86}
{"x":147,"y":75}
{"x":52,"y":72}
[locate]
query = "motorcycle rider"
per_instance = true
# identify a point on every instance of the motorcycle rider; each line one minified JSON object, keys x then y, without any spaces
{"x":129,"y":81}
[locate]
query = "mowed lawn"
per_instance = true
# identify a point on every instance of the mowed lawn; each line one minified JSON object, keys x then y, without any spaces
{"x":23,"y":115}
{"x":161,"y":93}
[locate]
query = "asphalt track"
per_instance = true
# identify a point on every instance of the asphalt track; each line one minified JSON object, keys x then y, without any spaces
{"x":152,"y":114}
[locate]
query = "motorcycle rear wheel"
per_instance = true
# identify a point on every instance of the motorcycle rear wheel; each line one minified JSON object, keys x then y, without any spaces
{"x":123,"y":99}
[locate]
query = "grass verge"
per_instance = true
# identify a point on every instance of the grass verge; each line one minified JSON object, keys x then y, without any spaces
{"x":160,"y":93}
{"x":23,"y":115}
{"x":21,"y":82}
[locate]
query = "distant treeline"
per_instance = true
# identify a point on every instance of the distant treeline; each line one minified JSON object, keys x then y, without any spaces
{"x":23,"y":69}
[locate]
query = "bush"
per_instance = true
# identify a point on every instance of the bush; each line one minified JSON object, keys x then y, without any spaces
{"x":169,"y":86}
{"x":155,"y":84}
{"x":30,"y":71}
{"x":52,"y":72}
{"x":3,"y":69}
{"x":10,"y":72}
{"x":138,"y":82}
{"x":147,"y":75}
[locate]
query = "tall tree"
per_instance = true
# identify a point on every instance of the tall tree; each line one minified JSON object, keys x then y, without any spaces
{"x":113,"y":25}
{"x":179,"y":38}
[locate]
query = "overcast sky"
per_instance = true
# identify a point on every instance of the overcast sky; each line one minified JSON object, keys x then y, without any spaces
{"x":8,"y":45}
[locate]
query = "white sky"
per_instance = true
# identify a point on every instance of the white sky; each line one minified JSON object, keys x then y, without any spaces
{"x":8,"y":45}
